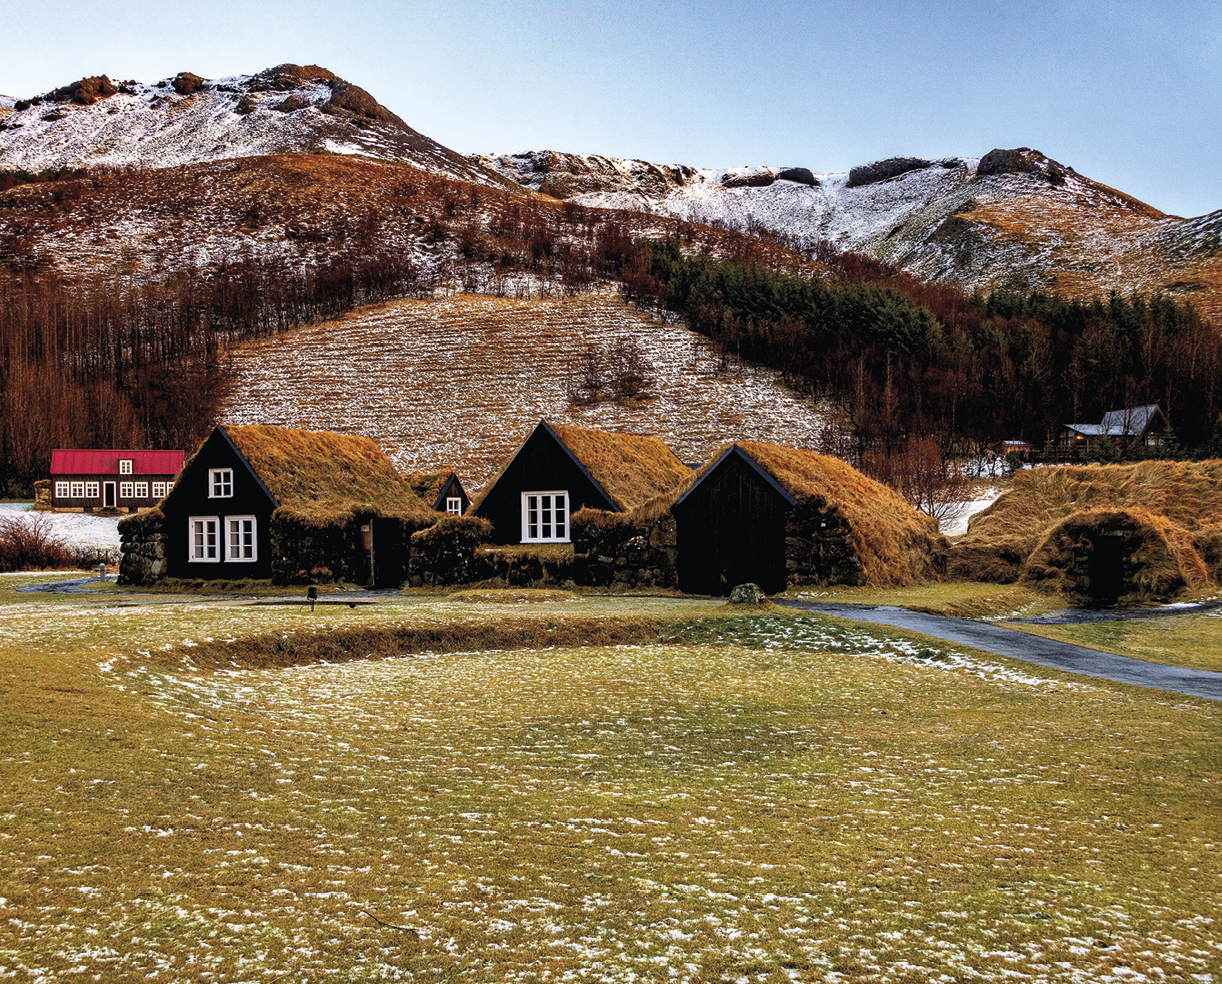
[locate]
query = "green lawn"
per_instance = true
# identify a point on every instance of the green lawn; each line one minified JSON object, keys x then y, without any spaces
{"x":765,"y":796}
{"x":1193,"y":641}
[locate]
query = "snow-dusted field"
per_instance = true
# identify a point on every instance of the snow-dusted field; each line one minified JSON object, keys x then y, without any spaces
{"x":462,"y":380}
{"x":74,"y":529}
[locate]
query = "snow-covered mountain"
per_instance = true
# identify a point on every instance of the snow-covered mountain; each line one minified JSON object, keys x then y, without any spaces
{"x":1010,"y":218}
{"x":187,"y":119}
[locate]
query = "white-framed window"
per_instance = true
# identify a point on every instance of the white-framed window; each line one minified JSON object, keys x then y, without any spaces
{"x":545,"y":517}
{"x":78,"y":490}
{"x":159,"y":490}
{"x":454,"y":505}
{"x":241,"y":544}
{"x":93,"y":490}
{"x":169,"y":486}
{"x":125,"y":466}
{"x":203,"y":546}
{"x":142,"y":490}
{"x":127,"y":490}
{"x":220,"y":483}
{"x":61,"y":490}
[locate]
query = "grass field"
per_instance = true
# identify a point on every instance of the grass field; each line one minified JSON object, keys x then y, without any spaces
{"x":764,"y":796}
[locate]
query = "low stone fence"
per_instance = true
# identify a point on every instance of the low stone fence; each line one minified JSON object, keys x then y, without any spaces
{"x":819,"y":549}
{"x":445,"y":553}
{"x":615,"y":551}
{"x":142,"y":546}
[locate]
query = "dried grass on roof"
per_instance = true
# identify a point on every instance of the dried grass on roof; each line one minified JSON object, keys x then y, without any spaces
{"x":1162,"y":562}
{"x":319,"y":474}
{"x":896,"y":543}
{"x":632,"y":468}
{"x":427,"y":485}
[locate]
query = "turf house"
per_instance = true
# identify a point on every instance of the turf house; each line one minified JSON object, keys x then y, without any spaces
{"x":295,"y":506}
{"x":441,"y":491}
{"x":561,"y":469}
{"x":1102,"y":534}
{"x":779,"y":517}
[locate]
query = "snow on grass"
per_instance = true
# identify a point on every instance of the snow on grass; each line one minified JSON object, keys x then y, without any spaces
{"x":766,"y":798}
{"x":74,"y":529}
{"x":462,"y":380}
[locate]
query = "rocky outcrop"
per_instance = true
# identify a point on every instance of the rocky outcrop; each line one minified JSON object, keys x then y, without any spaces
{"x":187,"y":83}
{"x":84,"y":92}
{"x":748,"y":178}
{"x":1022,"y":160}
{"x":893,"y":167}
{"x":798,"y":175}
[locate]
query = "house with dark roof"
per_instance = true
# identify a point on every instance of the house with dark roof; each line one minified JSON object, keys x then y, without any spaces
{"x":778,"y":516}
{"x":297,"y":506}
{"x":89,"y":480}
{"x":1146,"y":425}
{"x":560,"y":469}
{"x":441,"y":491}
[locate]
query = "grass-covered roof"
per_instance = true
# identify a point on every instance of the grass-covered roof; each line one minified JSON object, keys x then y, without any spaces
{"x":631,"y":468}
{"x":319,"y":472}
{"x":428,"y":485}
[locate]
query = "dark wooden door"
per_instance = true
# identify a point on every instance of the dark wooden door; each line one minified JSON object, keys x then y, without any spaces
{"x":389,"y":553}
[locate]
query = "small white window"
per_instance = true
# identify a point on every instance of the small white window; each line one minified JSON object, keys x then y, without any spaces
{"x":125,"y":466}
{"x":220,"y":483}
{"x":61,"y":490}
{"x":202,"y":547}
{"x":545,"y":517}
{"x":240,"y":545}
{"x":78,"y":490}
{"x":168,"y":487}
{"x":142,"y":490}
{"x":127,"y":490}
{"x":159,"y":490}
{"x":454,"y":505}
{"x":93,"y":490}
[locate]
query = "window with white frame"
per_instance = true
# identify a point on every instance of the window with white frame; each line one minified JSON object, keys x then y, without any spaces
{"x":142,"y":490}
{"x":78,"y":490}
{"x":61,"y":490}
{"x":203,"y":545}
{"x":125,"y":466}
{"x":454,"y":505}
{"x":545,"y":517}
{"x":159,"y":490}
{"x":127,"y":490}
{"x":240,"y":543}
{"x":93,"y":490}
{"x":220,"y":483}
{"x":169,"y":486}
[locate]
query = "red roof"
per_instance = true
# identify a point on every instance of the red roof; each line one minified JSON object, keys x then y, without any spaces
{"x":88,"y":462}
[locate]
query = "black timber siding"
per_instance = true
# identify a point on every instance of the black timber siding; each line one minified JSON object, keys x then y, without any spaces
{"x":190,"y":498}
{"x":731,"y":530}
{"x":452,"y":489}
{"x":542,"y":464}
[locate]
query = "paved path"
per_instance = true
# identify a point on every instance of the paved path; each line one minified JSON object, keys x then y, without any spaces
{"x":1031,"y":649}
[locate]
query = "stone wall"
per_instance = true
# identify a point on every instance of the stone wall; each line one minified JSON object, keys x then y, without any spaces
{"x":445,"y":553}
{"x":819,"y":548}
{"x":612,"y":550}
{"x":142,"y":546}
{"x":42,"y":495}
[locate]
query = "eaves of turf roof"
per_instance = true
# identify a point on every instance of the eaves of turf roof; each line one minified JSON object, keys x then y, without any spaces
{"x":320,"y":471}
{"x":631,"y":469}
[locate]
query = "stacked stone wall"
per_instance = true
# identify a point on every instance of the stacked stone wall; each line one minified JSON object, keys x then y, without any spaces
{"x":819,"y":547}
{"x":445,"y":553}
{"x":612,"y":550}
{"x":142,"y":546}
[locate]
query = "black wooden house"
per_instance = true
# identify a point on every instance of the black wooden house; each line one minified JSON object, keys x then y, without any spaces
{"x":560,"y":469}
{"x":297,"y":506}
{"x":441,"y":491}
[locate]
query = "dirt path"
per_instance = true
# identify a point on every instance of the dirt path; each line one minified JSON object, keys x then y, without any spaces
{"x":1003,"y":641}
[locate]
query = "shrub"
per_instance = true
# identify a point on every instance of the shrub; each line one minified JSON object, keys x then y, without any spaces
{"x":28,"y":543}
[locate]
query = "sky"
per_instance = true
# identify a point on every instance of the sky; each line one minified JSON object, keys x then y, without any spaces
{"x":1129,"y":94}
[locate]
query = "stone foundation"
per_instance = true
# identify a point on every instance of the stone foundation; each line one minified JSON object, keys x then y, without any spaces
{"x":142,"y":546}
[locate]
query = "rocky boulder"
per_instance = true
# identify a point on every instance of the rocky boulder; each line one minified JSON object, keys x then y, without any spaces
{"x":893,"y":167}
{"x":1022,"y":160}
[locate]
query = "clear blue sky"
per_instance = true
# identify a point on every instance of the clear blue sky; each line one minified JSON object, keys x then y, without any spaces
{"x":1127,"y":93}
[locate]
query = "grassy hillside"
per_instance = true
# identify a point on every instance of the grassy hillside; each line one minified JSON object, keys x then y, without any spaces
{"x":462,"y":380}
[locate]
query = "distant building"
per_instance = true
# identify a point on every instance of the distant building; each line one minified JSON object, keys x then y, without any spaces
{"x":1146,"y":424}
{"x":441,"y":491}
{"x":89,"y":480}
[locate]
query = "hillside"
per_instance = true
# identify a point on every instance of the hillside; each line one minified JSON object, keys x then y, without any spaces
{"x":461,"y":381}
{"x":288,"y":109}
{"x":1011,"y":219}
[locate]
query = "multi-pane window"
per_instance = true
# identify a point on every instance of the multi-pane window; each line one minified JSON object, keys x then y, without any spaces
{"x":93,"y":490}
{"x":127,"y":490}
{"x":142,"y":490}
{"x":545,"y":517}
{"x":78,"y":490}
{"x":61,"y":490}
{"x":203,"y":546}
{"x":220,"y":483}
{"x":454,"y":505}
{"x":125,"y":466}
{"x":159,"y":490}
{"x":240,"y":539}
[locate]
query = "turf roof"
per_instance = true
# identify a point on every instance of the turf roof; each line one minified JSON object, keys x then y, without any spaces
{"x":313,"y":472}
{"x":631,"y":468}
{"x":428,"y":485}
